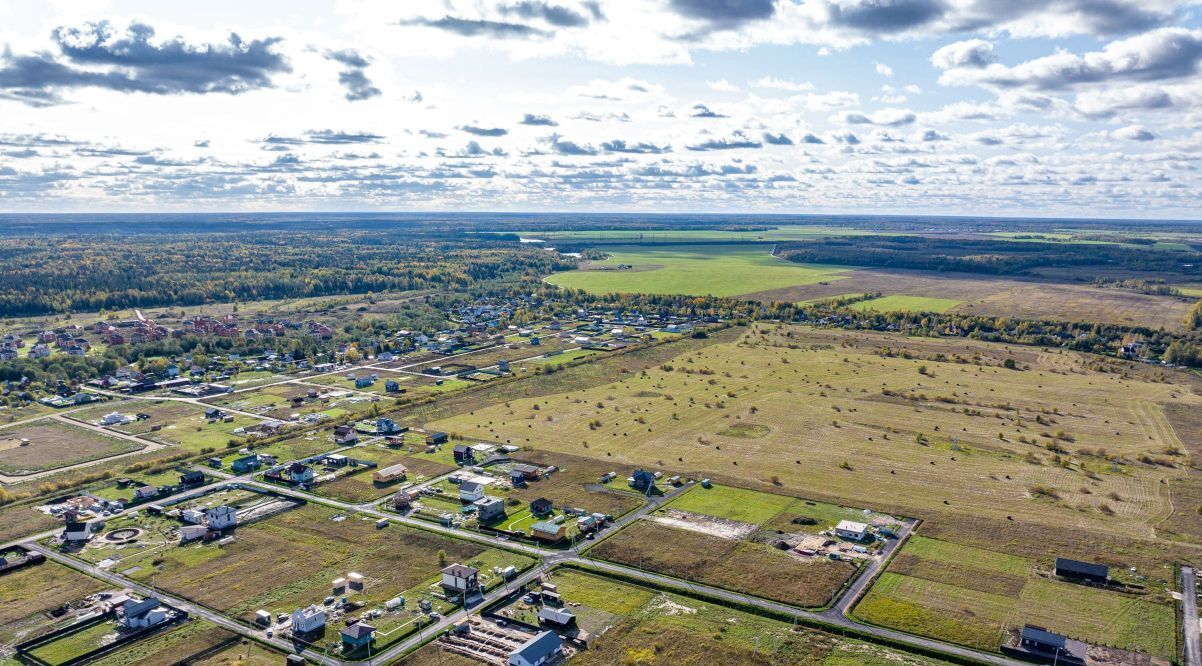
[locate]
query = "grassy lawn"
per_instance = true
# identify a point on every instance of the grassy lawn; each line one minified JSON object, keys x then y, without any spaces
{"x":748,"y":506}
{"x":901,"y":303}
{"x":189,"y":642}
{"x":971,"y":596}
{"x":651,"y":627}
{"x":72,"y":645}
{"x":718,"y":270}
{"x":53,"y":444}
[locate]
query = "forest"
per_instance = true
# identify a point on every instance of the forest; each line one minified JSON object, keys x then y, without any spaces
{"x":1000,"y":257}
{"x":47,"y":275}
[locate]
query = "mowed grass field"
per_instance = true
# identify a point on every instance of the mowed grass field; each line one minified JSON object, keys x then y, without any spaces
{"x":847,"y":418}
{"x":972,"y":596}
{"x":717,"y":270}
{"x":53,"y":444}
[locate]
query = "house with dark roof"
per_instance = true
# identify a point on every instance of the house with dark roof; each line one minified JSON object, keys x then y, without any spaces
{"x":459,"y":579}
{"x":1037,"y":643}
{"x":542,"y":507}
{"x":192,"y":478}
{"x":1082,"y":571}
{"x":642,"y":480}
{"x":357,"y":635}
{"x":489,"y":509}
{"x":537,"y":651}
{"x":470,"y":491}
{"x":464,"y":454}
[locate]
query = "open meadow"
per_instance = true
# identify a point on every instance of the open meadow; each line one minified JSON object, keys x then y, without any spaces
{"x":718,"y":270}
{"x":27,"y":594}
{"x":49,"y":444}
{"x":910,"y":426}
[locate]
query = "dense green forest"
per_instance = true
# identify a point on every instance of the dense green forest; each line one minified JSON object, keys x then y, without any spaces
{"x":1000,"y":257}
{"x":42,"y":275}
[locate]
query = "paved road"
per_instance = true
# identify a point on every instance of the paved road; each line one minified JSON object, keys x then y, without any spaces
{"x":1189,"y":617}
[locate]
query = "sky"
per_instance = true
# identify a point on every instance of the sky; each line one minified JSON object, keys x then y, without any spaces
{"x":1041,"y":108}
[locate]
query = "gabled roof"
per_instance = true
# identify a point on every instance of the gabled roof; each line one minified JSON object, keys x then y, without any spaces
{"x":1043,"y":636}
{"x":545,"y":526}
{"x":539,"y":647}
{"x":358,"y":630}
{"x":471,"y":486}
{"x":461,"y":571}
{"x":1064,"y":564}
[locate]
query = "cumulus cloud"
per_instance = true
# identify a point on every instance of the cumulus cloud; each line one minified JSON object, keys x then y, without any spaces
{"x":483,"y":131}
{"x":640,"y":147}
{"x":883,"y":69}
{"x":353,"y":76}
{"x":780,"y":139}
{"x":1134,"y":133}
{"x":735,"y":142}
{"x":99,"y":55}
{"x":884,"y":117}
{"x":1163,"y":54}
{"x":968,"y":53}
{"x":722,"y":85}
{"x":536,"y":119}
{"x":703,"y":111}
{"x":562,"y":146}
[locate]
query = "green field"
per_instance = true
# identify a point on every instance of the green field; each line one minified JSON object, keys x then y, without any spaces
{"x":972,"y":596}
{"x":717,"y":270}
{"x":901,"y":303}
{"x":781,"y":233}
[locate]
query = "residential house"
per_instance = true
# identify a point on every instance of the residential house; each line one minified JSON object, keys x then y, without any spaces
{"x":246,"y":464}
{"x":559,"y":617}
{"x":537,"y":651}
{"x":345,"y":435}
{"x":542,"y":507}
{"x":548,"y":531}
{"x":437,"y":438}
{"x":308,"y":620}
{"x":145,"y":493}
{"x":142,"y":614}
{"x":1037,"y":641}
{"x":357,"y":636}
{"x":470,"y":491}
{"x":192,"y":516}
{"x":221,"y":517}
{"x":489,"y":509}
{"x":75,"y":530}
{"x":460,"y":579}
{"x":300,"y":473}
{"x":851,"y":530}
{"x":528,"y":472}
{"x":642,"y":480}
{"x":464,"y":454}
{"x":190,"y":533}
{"x":389,"y":474}
{"x":192,"y":478}
{"x":388,"y":427}
{"x":392,"y":386}
{"x":1082,"y":571}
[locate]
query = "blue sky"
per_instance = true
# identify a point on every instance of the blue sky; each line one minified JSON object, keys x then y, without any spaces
{"x":998,"y":107}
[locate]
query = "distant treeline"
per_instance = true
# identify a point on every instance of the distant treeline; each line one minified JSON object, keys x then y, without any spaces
{"x":1001,"y":257}
{"x":43,"y":275}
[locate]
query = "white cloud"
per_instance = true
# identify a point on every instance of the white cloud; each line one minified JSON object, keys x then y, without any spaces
{"x":722,"y":85}
{"x":883,"y":69}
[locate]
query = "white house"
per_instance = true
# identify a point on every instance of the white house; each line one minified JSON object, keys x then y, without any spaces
{"x":114,"y":419}
{"x":221,"y":517}
{"x":189,"y":533}
{"x":144,"y":613}
{"x":459,"y":578}
{"x":192,"y":516}
{"x":307,"y":620}
{"x":77,"y":531}
{"x":851,"y":530}
{"x":557,"y":616}
{"x":470,"y":491}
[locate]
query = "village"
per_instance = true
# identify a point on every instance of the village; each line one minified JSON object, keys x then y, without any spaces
{"x":502,"y":544}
